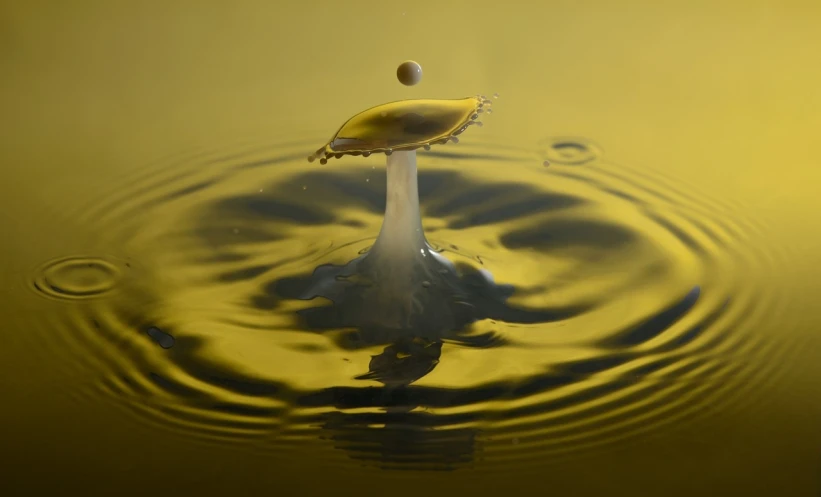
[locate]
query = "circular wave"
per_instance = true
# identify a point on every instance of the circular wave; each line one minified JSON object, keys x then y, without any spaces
{"x":635,"y":305}
{"x":573,"y":151}
{"x":78,"y":277}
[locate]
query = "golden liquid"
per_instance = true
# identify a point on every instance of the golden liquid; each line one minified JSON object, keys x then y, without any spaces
{"x":155,"y":199}
{"x":405,"y":125}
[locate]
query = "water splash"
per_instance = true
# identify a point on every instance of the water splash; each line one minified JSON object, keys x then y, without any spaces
{"x":405,"y":125}
{"x":632,"y":310}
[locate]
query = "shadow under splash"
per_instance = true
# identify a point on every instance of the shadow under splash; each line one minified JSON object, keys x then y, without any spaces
{"x":402,"y":426}
{"x":457,"y":296}
{"x":390,"y":420}
{"x":399,"y":431}
{"x":470,"y":296}
{"x":403,"y":436}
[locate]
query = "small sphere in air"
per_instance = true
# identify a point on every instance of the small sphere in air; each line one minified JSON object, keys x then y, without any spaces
{"x":409,"y":73}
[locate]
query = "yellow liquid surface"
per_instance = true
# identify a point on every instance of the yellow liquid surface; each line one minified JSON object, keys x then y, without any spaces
{"x":157,"y":206}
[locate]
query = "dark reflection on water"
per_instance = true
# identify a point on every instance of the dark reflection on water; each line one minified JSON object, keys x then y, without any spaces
{"x":400,"y":442}
{"x":483,"y":300}
{"x":637,"y":370}
{"x":265,"y":216}
{"x":402,"y":434}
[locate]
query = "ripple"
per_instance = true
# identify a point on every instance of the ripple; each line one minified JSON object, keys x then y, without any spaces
{"x":572,"y":151}
{"x":635,"y":304}
{"x":78,"y":277}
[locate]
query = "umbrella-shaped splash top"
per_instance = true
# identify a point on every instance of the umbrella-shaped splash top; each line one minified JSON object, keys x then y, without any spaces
{"x":401,"y":284}
{"x":403,"y":125}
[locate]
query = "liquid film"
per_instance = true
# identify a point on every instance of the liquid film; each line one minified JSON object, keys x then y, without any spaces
{"x":404,"y":125}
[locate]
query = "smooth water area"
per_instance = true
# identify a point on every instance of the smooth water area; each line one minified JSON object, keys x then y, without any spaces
{"x":635,"y":231}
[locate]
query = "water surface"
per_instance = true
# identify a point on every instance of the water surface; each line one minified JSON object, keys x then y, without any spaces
{"x":159,"y":217}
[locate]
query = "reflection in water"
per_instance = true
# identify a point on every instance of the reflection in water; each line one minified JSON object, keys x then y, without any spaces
{"x":397,"y":437}
{"x":619,"y":308}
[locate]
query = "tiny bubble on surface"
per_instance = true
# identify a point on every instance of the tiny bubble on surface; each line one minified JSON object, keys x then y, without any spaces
{"x":161,"y":338}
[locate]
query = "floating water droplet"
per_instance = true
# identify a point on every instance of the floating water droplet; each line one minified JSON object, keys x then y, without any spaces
{"x":546,"y":163}
{"x":160,"y":337}
{"x":495,"y":95}
{"x":74,"y":278}
{"x":409,"y":73}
